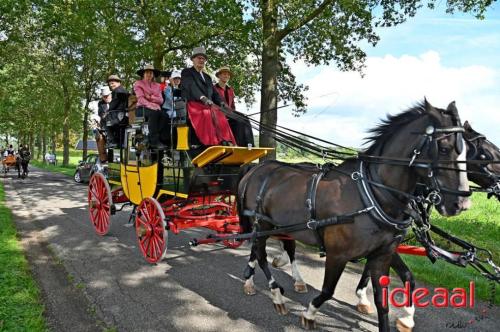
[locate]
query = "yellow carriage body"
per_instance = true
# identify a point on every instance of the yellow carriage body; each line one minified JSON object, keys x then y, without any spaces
{"x":138,"y":182}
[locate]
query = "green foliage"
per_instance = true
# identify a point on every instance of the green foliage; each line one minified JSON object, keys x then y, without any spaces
{"x":20,"y":306}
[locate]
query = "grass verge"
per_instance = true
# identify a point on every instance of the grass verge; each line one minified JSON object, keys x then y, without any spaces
{"x":20,"y":304}
{"x":66,"y":170}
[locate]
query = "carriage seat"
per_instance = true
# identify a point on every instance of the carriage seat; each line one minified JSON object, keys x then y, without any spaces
{"x":229,"y":155}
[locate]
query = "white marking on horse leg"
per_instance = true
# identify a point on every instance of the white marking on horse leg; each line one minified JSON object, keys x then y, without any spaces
{"x":364,"y":306}
{"x":281,"y":260}
{"x":277,"y":297}
{"x":407,"y":319}
{"x":311,"y":312}
{"x":363,"y":299}
{"x":299,"y":286}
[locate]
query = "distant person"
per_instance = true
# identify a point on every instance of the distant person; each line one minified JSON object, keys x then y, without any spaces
{"x":240,"y":124}
{"x":209,"y":123}
{"x":10,"y":150}
{"x":117,"y":119}
{"x":149,"y":101}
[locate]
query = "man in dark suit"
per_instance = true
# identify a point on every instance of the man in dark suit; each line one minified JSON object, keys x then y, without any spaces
{"x":117,"y":118}
{"x":196,"y":84}
{"x":211,"y":127}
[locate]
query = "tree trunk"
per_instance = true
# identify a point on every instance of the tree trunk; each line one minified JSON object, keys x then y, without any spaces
{"x":270,"y":69}
{"x":38,"y":145}
{"x":67,"y":109}
{"x":44,"y":144}
{"x":53,"y":143}
{"x":85,"y":130}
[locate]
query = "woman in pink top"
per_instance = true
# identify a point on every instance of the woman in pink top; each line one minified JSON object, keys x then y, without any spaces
{"x":149,"y":100}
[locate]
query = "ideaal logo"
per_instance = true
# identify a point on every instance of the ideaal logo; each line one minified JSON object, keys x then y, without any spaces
{"x":423,"y":297}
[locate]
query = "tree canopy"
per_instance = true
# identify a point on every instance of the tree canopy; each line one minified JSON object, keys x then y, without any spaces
{"x":55,"y":54}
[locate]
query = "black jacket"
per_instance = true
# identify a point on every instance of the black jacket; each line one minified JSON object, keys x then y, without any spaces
{"x":119,"y":99}
{"x":193,"y":86}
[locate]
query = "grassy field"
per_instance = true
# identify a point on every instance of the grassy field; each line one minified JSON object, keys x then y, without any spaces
{"x":20,"y":305}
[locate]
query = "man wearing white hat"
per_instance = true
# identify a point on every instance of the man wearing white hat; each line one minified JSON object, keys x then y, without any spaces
{"x":102,"y":111}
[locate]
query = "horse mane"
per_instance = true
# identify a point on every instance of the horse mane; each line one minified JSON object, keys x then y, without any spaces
{"x":382,"y":132}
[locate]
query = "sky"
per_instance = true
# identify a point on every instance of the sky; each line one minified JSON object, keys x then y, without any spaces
{"x":435,"y":55}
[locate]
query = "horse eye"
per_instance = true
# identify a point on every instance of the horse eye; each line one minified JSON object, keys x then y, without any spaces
{"x":483,"y":157}
{"x":444,"y":150}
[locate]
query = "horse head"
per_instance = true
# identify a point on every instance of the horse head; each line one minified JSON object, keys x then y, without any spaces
{"x":433,"y":139}
{"x":479,"y":148}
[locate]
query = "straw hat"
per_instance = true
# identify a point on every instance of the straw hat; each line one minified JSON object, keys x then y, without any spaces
{"x":156,"y":72}
{"x":114,"y":78}
{"x":223,"y":69}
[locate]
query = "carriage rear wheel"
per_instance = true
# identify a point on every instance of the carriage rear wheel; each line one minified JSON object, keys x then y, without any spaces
{"x":150,"y":230}
{"x":100,"y":201}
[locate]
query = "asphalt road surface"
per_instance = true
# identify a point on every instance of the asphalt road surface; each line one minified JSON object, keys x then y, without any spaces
{"x":93,"y":283}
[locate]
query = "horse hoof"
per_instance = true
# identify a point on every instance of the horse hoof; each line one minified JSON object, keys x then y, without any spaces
{"x":249,"y":290}
{"x":366,"y":309}
{"x":279,"y":261}
{"x":281,"y":309}
{"x":300,"y":287}
{"x":401,"y":327}
{"x":308,"y":324}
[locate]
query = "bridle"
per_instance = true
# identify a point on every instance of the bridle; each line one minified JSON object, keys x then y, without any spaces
{"x":429,"y":143}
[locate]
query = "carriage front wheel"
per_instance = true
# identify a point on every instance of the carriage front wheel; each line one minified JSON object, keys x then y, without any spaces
{"x":150,"y":230}
{"x":100,"y":201}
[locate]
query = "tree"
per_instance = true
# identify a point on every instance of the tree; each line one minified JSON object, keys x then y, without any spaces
{"x":321,"y":32}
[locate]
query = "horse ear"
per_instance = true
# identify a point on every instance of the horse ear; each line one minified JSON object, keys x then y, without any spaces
{"x":452,"y":107}
{"x":467,"y":125}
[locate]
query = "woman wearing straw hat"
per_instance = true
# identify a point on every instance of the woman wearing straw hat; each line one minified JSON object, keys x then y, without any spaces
{"x":239,"y":123}
{"x":149,"y":100}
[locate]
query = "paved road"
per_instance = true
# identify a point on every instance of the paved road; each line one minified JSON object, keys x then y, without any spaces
{"x":92,"y":283}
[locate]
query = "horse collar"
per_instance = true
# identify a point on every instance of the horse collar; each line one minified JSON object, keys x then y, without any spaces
{"x":369,"y":200}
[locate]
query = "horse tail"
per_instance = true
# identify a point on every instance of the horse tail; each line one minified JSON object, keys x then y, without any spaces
{"x":244,"y":178}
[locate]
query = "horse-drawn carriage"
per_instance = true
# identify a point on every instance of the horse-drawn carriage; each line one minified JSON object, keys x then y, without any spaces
{"x":8,"y":162}
{"x":341,"y":208}
{"x":170,"y":190}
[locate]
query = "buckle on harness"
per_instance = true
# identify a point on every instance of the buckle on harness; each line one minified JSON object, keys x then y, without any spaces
{"x":434,"y":197}
{"x":356,"y":176}
{"x":310,"y":225}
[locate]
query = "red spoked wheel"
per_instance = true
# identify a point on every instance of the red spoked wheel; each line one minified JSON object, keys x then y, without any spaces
{"x":100,"y":201}
{"x":150,"y":230}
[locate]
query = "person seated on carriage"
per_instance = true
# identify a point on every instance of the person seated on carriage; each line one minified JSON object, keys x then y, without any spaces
{"x":149,"y":101}
{"x":209,"y":123}
{"x":240,"y":125}
{"x":116,"y":118}
{"x":10,"y":150}
{"x":102,"y":111}
{"x":164,"y":79}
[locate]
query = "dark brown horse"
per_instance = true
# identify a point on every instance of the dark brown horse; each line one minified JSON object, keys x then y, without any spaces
{"x":486,"y":175}
{"x":357,"y":209}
